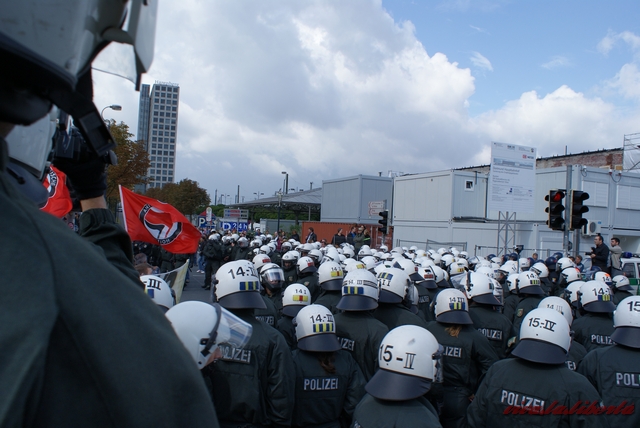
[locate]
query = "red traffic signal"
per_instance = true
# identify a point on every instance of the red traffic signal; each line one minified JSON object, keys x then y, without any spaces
{"x":555,"y":209}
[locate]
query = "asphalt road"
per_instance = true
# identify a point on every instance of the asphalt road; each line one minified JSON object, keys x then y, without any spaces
{"x":193,"y":290}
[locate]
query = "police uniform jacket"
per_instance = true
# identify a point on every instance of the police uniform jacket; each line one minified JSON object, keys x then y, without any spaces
{"x":311,"y":282}
{"x":493,"y":325}
{"x":254,"y":385}
{"x":322,"y":397}
{"x":466,"y":357}
{"x":514,"y":385}
{"x":613,"y":371}
{"x":526,"y":305}
{"x":509,"y":308}
{"x":361,"y":334}
{"x":620,"y":295}
{"x":395,"y":314}
{"x":269,"y":314}
{"x":290,"y":276}
{"x":374,"y":413}
{"x":593,"y":330}
{"x":425,"y":297}
{"x":285,"y":326}
{"x":329,"y":299}
{"x":575,"y":355}
{"x":82,"y":345}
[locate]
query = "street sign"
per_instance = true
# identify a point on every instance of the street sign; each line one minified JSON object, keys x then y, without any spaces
{"x":375,"y":207}
{"x":230,"y":225}
{"x":236,"y":213}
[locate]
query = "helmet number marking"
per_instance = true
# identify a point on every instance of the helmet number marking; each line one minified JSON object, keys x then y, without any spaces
{"x":540,"y":323}
{"x":634,"y":306}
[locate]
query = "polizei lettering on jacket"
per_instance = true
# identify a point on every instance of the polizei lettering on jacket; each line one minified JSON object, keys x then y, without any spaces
{"x":347,"y":344}
{"x":491,"y":334}
{"x":236,"y":355}
{"x":266,"y":319}
{"x":516,"y":399}
{"x":453,"y":351}
{"x":601,"y":339}
{"x":628,"y":380}
{"x":320,"y":383}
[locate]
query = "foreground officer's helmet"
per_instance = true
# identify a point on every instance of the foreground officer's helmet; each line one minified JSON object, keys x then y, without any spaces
{"x":393,"y":284}
{"x":238,"y":286}
{"x":359,"y":291}
{"x":200,"y":326}
{"x":330,"y":276}
{"x":558,"y":304}
{"x":571,"y":274}
{"x":159,"y":291}
{"x":409,"y":267}
{"x":272,"y":276}
{"x":451,"y":307}
{"x":595,"y":296}
{"x":410,"y":360}
{"x":544,"y":337}
{"x":305,"y":265}
{"x":428,"y":278}
{"x":563,"y":263}
{"x":316,"y":329}
{"x":626,"y":320}
{"x":294,"y":298}
{"x":260,"y":260}
{"x":572,"y":293}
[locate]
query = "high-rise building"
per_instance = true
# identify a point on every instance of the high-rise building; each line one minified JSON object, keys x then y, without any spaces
{"x":158,"y":128}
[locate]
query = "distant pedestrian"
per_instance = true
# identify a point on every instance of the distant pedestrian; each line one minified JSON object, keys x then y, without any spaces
{"x":338,"y":238}
{"x":600,"y":254}
{"x":615,"y":252}
{"x":311,"y":236}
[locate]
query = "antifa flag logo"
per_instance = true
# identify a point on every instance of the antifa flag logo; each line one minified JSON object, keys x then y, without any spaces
{"x":52,"y":185}
{"x":160,"y":225}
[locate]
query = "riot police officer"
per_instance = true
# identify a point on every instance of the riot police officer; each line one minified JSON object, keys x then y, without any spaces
{"x":330,"y":277}
{"x":393,"y":302}
{"x":294,"y":298}
{"x":594,"y":327}
{"x":576,"y":350}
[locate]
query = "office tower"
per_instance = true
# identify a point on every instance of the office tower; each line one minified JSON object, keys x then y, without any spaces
{"x":158,"y":128}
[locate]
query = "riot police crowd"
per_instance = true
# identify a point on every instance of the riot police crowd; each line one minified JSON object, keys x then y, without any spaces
{"x":410,"y":337}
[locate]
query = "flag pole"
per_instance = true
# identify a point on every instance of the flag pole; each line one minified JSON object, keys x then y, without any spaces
{"x":124,"y":214}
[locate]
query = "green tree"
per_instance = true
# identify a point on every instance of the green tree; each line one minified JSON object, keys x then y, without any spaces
{"x":186,"y":196}
{"x":133,"y":162}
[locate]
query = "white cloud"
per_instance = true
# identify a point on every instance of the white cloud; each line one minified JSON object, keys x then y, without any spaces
{"x":478,"y":29}
{"x":481,"y":62}
{"x":606,"y":44}
{"x":556,"y":62}
{"x":334,"y":89}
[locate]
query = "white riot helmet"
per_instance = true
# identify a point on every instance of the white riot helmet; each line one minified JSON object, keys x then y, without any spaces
{"x":243,"y":242}
{"x":414,"y":298}
{"x":479,"y":288}
{"x":558,"y":304}
{"x":370,"y":262}
{"x":451,"y":307}
{"x":529,"y":283}
{"x":486,"y":270}
{"x":524,"y":264}
{"x":626,"y":320}
{"x":316,"y":256}
{"x":540,"y":269}
{"x":384,"y":248}
{"x":409,"y":267}
{"x":512,"y":283}
{"x":364,"y":251}
{"x":238,"y":286}
{"x":428,"y":280}
{"x":214,"y":237}
{"x":316,"y":329}
{"x":544,"y":337}
{"x":359,"y":291}
{"x":563,"y":263}
{"x":441,"y":277}
{"x":201,"y":326}
{"x":260,"y":260}
{"x":348,"y":252}
{"x":286,"y":246}
{"x":410,"y":360}
{"x":509,"y":267}
{"x":595,"y":296}
{"x":330,"y":276}
{"x":572,"y":293}
{"x":620,"y":282}
{"x":159,"y":291}
{"x":463,"y":255}
{"x":497,"y":291}
{"x":289,"y":260}
{"x":265,"y":249}
{"x":570,"y":275}
{"x":305,"y":265}
{"x":352,"y":264}
{"x":295,"y":297}
{"x":446,"y":260}
{"x":272,"y":277}
{"x":437,"y":258}
{"x":393,"y":284}
{"x":603,"y":277}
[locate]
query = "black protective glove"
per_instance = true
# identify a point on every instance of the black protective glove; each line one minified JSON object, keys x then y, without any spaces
{"x":85,"y":169}
{"x":87,"y":175}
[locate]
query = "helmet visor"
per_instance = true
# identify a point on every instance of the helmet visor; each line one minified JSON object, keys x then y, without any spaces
{"x":229,"y":329}
{"x":273,"y":278}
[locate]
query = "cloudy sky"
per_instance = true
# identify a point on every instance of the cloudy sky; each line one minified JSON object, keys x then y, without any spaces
{"x":324,"y":89}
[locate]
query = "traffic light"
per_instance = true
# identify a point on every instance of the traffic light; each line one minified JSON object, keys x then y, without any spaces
{"x":555,"y":209}
{"x":383,"y":221}
{"x":576,"y":209}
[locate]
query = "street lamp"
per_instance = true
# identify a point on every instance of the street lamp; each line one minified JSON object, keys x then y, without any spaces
{"x":279,"y":203}
{"x":258,"y":194}
{"x":115,"y":107}
{"x":286,"y":182}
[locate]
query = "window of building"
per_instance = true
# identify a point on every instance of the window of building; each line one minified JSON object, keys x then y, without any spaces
{"x":173,"y":134}
{"x":155,"y":113}
{"x":175,"y":95}
{"x":161,"y":113}
{"x":166,"y":146}
{"x":154,"y":138}
{"x":155,"y":119}
{"x":155,"y":126}
{"x":155,"y":133}
{"x":173,"y":109}
{"x":174,"y":102}
{"x":161,"y":120}
{"x":162,"y":101}
{"x":170,"y":172}
{"x":166,"y":140}
{"x":166,"y":153}
{"x":156,"y":100}
{"x":164,"y":165}
{"x":153,"y":152}
{"x":161,"y":107}
{"x":173,"y":115}
{"x":152,"y":171}
{"x":170,"y":153}
{"x":172,"y":140}
{"x":173,"y":120}
{"x":153,"y":146}
{"x":175,"y":89}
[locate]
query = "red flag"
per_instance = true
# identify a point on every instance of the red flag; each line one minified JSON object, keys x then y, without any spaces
{"x":59,"y":203}
{"x":149,"y":220}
